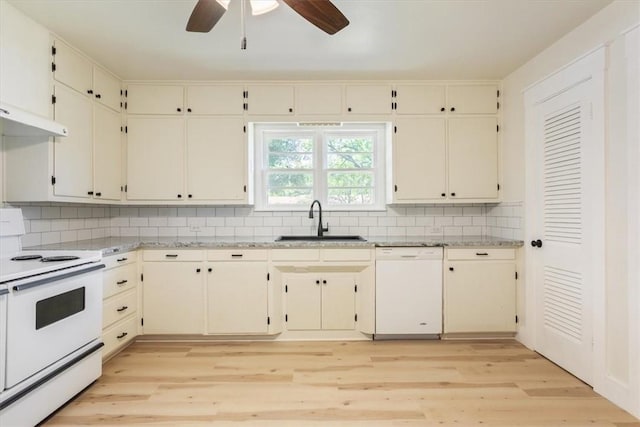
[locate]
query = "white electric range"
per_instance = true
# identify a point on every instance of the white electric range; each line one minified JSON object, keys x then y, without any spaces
{"x":50,"y":325}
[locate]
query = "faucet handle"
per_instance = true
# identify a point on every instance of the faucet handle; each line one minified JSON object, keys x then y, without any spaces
{"x":325,"y":228}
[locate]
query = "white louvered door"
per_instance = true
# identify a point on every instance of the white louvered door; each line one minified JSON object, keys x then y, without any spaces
{"x":569,"y":202}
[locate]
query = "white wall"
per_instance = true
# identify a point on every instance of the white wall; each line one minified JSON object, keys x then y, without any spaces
{"x":620,"y":381}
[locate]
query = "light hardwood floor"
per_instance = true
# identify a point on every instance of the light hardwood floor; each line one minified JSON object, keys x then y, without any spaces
{"x":380,"y":383}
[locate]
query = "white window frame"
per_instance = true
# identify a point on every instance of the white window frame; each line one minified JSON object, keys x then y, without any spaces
{"x":380,"y":133}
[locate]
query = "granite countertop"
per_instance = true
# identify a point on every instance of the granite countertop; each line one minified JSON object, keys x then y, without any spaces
{"x":112,"y":245}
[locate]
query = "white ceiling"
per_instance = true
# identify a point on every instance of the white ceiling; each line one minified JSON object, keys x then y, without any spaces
{"x":386,"y":39}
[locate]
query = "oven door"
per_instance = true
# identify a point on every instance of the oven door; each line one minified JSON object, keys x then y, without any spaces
{"x":51,"y":316}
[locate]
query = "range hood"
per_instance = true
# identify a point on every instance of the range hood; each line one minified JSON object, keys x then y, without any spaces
{"x":17,"y":122}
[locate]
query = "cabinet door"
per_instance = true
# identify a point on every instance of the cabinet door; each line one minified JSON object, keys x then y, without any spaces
{"x":270,"y":99}
{"x":419,"y":160}
{"x":155,"y":147}
{"x":318,"y":99}
{"x":72,"y":68}
{"x":106,"y":89}
{"x":155,"y":99}
{"x":420,"y":99}
{"x":473,"y":158}
{"x":73,"y":153}
{"x":237,"y":298}
{"x":216,"y":99}
{"x":107,"y":153}
{"x":473,"y":99}
{"x":479,"y":296}
{"x":368,"y":99}
{"x":216,"y":159}
{"x":303,"y":302}
{"x":173,"y":295}
{"x":338,"y":302}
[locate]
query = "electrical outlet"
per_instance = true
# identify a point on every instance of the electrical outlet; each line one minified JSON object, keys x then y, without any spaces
{"x":194,"y":228}
{"x":436,"y":230}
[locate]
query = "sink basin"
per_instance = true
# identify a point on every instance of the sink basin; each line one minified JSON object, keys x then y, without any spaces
{"x":320,"y":238}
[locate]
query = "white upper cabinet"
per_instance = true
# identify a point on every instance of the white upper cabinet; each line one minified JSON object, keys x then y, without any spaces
{"x":73,"y":153}
{"x":106,"y":88}
{"x":107,"y":154}
{"x":72,"y":68}
{"x":320,"y":99}
{"x":473,"y":158}
{"x":215,"y":99}
{"x":155,"y":156}
{"x":155,"y":99}
{"x":270,"y":99}
{"x":25,"y":62}
{"x":419,"y":160}
{"x":472,"y":99}
{"x":216,"y":159}
{"x":420,"y":99}
{"x":368,"y":99}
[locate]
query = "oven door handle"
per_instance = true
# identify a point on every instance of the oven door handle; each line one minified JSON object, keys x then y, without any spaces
{"x":46,"y":281}
{"x":4,"y":292}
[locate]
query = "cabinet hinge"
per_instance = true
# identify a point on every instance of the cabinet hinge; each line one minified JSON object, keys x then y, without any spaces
{"x":53,"y":50}
{"x":121,"y":188}
{"x":356,"y":317}
{"x":142,"y":321}
{"x":286,"y":289}
{"x":121,"y":95}
{"x":245,"y":188}
{"x":142,"y":277}
{"x":498,"y":185}
{"x":497,"y":105}
{"x":268,"y":320}
{"x":53,"y":66}
{"x":395,"y":129}
{"x":121,"y":129}
{"x":125,"y":188}
{"x":516,"y":275}
{"x":498,"y":94}
{"x":245,"y":94}
{"x":53,"y":180}
{"x":395,"y":188}
{"x":120,"y":104}
{"x":126,"y":129}
{"x":125,"y":105}
{"x":268,"y":276}
{"x":53,"y":99}
{"x":244,"y":129}
{"x":245,"y":106}
{"x":355,"y":288}
{"x":286,"y":317}
{"x":516,"y":319}
{"x":497,"y":128}
{"x":126,"y":93}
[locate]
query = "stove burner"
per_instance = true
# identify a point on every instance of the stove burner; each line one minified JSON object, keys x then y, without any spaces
{"x":59,"y":258}
{"x":26,"y":257}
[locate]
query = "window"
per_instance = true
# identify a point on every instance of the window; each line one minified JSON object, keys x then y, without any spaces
{"x":342,"y":166}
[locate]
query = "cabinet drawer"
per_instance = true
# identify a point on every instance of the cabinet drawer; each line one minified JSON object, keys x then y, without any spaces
{"x":118,"y":260}
{"x":118,"y":307}
{"x":119,"y":280}
{"x":169,"y":255}
{"x":238,"y":255}
{"x":481,"y":253}
{"x":295,"y":255}
{"x":119,"y":334}
{"x":346,"y":254}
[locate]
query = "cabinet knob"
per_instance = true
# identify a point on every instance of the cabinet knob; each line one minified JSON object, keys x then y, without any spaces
{"x":98,"y":194}
{"x":197,"y":270}
{"x":291,"y":110}
{"x":442,"y":109}
{"x":90,"y":193}
{"x":450,"y":268}
{"x":190,"y":196}
{"x":349,"y":109}
{"x":90,"y":92}
{"x":178,"y":109}
{"x":536,"y":243}
{"x":324,"y":282}
{"x":188,"y":110}
{"x":443,"y":194}
{"x":453,"y":108}
{"x":317,"y":282}
{"x":179,"y":196}
{"x":98,"y":96}
{"x":453,"y":194}
{"x":209,"y":269}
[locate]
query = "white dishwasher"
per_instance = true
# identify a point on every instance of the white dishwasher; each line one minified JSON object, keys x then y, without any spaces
{"x":408,"y":291}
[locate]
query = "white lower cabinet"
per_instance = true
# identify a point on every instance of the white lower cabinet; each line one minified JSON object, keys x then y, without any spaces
{"x":173,"y":292}
{"x":120,"y":309}
{"x":237,"y":292}
{"x":480,"y":291}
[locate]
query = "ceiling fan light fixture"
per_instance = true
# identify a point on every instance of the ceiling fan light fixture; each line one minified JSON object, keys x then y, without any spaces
{"x":258,"y":7}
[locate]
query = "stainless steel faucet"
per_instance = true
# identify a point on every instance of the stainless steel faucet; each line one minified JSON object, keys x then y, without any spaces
{"x":321,"y":229}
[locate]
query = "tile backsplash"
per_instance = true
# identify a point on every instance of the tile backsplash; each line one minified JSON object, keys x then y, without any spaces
{"x":55,"y":223}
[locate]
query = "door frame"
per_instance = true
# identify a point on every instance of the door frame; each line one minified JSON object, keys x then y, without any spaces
{"x":590,"y":66}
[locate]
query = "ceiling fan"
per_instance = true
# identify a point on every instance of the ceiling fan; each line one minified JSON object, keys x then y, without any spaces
{"x":321,"y":13}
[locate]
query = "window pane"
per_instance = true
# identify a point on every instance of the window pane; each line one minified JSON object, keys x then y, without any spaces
{"x":350,"y":161}
{"x":350,"y":179}
{"x":290,"y":145}
{"x":350,"y":145}
{"x":290,"y":179}
{"x":290,"y":196}
{"x":290,"y":161}
{"x":350,"y":196}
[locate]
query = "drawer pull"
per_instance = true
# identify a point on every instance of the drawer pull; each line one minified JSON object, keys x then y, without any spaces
{"x":122,"y":259}
{"x":482,"y":254}
{"x":171,"y":256}
{"x":236,"y":255}
{"x":122,"y":335}
{"x":121,"y":282}
{"x":121,"y":309}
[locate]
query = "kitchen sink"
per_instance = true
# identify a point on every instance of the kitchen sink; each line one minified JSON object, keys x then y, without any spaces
{"x":320,"y":238}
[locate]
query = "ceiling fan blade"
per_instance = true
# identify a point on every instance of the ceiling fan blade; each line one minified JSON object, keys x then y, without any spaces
{"x":321,"y":13}
{"x":204,"y":16}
